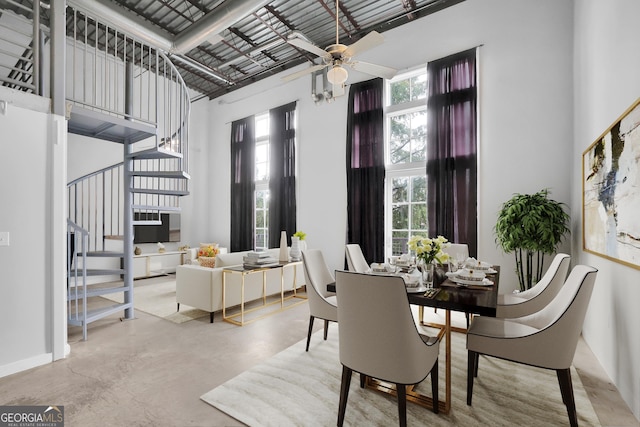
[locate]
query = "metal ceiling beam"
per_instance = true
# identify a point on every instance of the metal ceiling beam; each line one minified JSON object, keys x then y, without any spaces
{"x":213,"y":22}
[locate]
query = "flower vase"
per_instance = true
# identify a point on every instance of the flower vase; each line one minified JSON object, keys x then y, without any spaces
{"x":295,"y":253}
{"x":284,"y":252}
{"x":427,"y":269}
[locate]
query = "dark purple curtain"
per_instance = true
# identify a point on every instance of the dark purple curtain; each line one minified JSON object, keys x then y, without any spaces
{"x":366,"y":169}
{"x":452,"y":149}
{"x":282,"y":176}
{"x":242,"y":184}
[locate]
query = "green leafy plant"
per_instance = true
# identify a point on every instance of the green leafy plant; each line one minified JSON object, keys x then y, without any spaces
{"x":300,"y":234}
{"x":530,"y":226}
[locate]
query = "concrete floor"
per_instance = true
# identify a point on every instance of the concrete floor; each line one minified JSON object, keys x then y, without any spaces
{"x":151,"y":372}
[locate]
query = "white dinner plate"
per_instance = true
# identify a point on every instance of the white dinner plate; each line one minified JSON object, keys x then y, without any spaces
{"x":416,"y":290}
{"x":485,"y":282}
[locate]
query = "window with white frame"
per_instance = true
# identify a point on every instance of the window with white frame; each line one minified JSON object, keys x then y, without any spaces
{"x":261,"y":202}
{"x":405,"y":153}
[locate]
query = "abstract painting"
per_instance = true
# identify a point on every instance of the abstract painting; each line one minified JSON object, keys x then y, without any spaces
{"x":611,"y":191}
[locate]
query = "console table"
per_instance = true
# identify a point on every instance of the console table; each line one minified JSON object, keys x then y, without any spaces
{"x":260,"y":270}
{"x":156,"y":263}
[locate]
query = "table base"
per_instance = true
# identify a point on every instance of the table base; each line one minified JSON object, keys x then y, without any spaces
{"x":232,"y":318}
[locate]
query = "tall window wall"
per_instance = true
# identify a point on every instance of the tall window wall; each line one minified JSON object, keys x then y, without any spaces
{"x":406,"y":138}
{"x":261,"y":227}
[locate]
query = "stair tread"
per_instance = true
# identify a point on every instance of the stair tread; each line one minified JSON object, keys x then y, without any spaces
{"x":157,"y":208}
{"x":75,"y":319}
{"x":93,"y":291}
{"x":155,"y":153}
{"x":84,"y":121}
{"x":112,"y":254}
{"x":161,"y":192}
{"x":150,"y":222}
{"x":100,"y":272}
{"x":162,"y":174}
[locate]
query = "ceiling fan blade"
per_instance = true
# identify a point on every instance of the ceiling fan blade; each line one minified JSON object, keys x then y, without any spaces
{"x":369,"y":41}
{"x":301,"y":73}
{"x":309,"y":47}
{"x":373,"y":69}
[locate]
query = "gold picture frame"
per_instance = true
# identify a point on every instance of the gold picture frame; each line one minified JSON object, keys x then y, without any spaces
{"x":610,"y":191}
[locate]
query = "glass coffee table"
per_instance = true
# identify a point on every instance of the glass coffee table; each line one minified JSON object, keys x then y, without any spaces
{"x":239,"y":318}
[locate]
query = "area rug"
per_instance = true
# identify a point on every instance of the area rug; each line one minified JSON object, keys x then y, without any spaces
{"x":298,"y":388}
{"x":158,"y":297}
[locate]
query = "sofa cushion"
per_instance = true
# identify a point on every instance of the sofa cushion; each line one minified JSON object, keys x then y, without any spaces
{"x":230,"y":259}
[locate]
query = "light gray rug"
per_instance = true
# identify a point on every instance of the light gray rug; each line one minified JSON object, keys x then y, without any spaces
{"x":296,"y":388}
{"x":157,"y":296}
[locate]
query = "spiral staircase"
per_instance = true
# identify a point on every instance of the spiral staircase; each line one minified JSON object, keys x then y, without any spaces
{"x":121,"y":90}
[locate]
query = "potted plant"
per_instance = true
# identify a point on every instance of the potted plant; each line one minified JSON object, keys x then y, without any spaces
{"x":530,"y":226}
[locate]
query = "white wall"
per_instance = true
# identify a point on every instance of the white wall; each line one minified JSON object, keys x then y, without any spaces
{"x":524,"y":126}
{"x":32,"y":172}
{"x":606,"y":66}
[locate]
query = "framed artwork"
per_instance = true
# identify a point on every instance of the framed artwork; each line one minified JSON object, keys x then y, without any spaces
{"x":611,"y":191}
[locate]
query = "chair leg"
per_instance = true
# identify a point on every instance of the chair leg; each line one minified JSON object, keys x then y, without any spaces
{"x":477,"y":362}
{"x":326,"y":329}
{"x":211,"y":317}
{"x":401,"y":389}
{"x":344,"y":394}
{"x":178,"y":309}
{"x":566,"y":389}
{"x":434,"y":387}
{"x":310,"y":330}
{"x":471,"y":368}
{"x":363,"y":380}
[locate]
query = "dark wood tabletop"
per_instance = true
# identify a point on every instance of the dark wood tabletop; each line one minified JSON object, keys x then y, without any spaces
{"x":451,"y":296}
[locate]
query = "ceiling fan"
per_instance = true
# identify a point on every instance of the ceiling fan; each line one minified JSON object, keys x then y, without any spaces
{"x":336,"y":56}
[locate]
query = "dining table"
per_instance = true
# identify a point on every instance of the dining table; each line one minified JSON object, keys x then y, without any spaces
{"x":447,"y":295}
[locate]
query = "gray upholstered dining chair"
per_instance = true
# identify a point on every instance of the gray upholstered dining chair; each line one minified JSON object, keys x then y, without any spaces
{"x":322,"y":304}
{"x":355,"y":258}
{"x":539,"y":295}
{"x":385,"y":346}
{"x":546,"y":339}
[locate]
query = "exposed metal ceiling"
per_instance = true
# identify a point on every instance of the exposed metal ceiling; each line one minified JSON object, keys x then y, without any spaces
{"x":222,"y":45}
{"x":255,"y":46}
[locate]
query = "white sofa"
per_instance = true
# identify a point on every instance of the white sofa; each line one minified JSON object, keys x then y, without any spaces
{"x":201,"y":287}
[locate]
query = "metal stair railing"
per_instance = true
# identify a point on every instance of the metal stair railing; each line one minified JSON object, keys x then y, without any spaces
{"x":77,"y":275}
{"x":120,"y":76}
{"x":20,"y":55}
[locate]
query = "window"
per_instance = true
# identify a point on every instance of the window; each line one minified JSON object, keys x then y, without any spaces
{"x":441,"y":198}
{"x":261,"y":201}
{"x":405,"y":158}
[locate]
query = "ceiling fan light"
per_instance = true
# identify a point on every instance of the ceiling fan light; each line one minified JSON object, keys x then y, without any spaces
{"x":337,"y":75}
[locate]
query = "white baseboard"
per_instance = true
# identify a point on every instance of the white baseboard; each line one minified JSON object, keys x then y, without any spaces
{"x":24,"y":364}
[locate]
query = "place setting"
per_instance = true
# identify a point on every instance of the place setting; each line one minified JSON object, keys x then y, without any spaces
{"x":471,"y":273}
{"x":403,"y":266}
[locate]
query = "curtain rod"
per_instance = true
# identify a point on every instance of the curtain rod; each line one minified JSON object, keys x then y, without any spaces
{"x":270,"y":108}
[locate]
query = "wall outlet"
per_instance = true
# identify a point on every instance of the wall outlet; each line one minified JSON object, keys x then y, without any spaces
{"x":4,"y":238}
